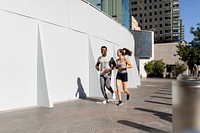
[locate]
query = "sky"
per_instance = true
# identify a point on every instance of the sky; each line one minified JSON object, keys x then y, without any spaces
{"x":190,"y":13}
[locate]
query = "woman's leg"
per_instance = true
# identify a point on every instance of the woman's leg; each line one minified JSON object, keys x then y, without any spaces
{"x":118,"y":82}
{"x":124,"y":85}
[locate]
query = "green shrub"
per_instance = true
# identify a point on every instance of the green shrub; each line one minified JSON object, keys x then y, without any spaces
{"x":180,"y":68}
{"x":155,"y":68}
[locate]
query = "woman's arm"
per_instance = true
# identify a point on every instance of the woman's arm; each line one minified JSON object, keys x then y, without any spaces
{"x":129,"y":64}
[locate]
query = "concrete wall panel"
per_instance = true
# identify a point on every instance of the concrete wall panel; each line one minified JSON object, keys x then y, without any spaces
{"x":55,"y":46}
{"x":78,"y":61}
{"x":18,"y":52}
{"x":52,"y":11}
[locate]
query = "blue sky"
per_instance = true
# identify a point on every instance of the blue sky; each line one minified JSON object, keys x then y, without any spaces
{"x":190,"y":13}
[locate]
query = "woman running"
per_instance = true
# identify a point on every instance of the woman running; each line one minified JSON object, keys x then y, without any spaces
{"x":122,"y":76}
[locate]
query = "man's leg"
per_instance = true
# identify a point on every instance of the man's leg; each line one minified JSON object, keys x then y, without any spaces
{"x":102,"y":84}
{"x":108,"y":84}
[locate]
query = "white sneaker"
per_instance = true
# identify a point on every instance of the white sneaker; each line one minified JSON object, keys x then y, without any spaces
{"x":105,"y":101}
{"x":113,"y":96}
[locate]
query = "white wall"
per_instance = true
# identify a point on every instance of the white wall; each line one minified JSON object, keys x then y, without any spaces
{"x":18,"y":61}
{"x":48,"y":51}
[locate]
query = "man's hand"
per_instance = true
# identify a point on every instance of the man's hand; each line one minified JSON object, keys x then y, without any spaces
{"x":97,"y":67}
{"x":107,"y":70}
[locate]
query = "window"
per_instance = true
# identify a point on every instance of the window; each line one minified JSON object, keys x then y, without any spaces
{"x":160,"y":5}
{"x":167,"y":24}
{"x":135,"y":9}
{"x":160,"y":12}
{"x":175,"y":30}
{"x":140,"y":21}
{"x":155,"y":13}
{"x":135,"y":15}
{"x":145,"y":27}
{"x":150,"y":1}
{"x":155,"y":0}
{"x":145,"y":14}
{"x":150,"y":14}
{"x":176,"y":5}
{"x":168,"y":37}
{"x":160,"y":19}
{"x":145,"y":8}
{"x":167,"y":11}
{"x":150,"y":26}
{"x":134,"y":2}
{"x":167,"y":31}
{"x":145,"y":1}
{"x":160,"y":25}
{"x":145,"y":20}
{"x":155,"y":6}
{"x":161,"y":38}
{"x":140,"y":14}
{"x":150,"y":20}
{"x":167,"y":18}
{"x":150,"y":7}
{"x":155,"y":19}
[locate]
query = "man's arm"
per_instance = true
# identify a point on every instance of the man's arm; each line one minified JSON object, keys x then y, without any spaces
{"x":97,"y":66}
{"x":112,"y":63}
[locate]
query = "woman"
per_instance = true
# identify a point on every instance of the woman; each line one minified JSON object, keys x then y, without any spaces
{"x":122,"y":77}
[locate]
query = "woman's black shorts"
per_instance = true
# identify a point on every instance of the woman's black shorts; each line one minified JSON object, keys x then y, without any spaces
{"x":122,"y":76}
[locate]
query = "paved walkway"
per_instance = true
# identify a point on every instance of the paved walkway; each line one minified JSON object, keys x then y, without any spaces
{"x":148,"y":111}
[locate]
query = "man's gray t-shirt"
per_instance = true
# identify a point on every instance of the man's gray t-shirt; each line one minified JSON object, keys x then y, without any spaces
{"x":106,"y":62}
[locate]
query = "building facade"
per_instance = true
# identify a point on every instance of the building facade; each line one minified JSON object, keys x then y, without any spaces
{"x":160,"y":16}
{"x":117,"y":9}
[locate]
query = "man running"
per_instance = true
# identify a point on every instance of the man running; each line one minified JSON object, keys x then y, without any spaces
{"x":106,"y":66}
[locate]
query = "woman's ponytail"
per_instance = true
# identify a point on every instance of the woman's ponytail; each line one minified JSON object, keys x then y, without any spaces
{"x":127,"y":52}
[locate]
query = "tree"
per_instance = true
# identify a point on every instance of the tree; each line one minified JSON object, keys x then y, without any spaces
{"x":190,"y":53}
{"x":196,"y":33}
{"x":155,"y":68}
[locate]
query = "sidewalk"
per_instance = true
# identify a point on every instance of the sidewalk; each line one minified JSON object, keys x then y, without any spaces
{"x":148,"y":111}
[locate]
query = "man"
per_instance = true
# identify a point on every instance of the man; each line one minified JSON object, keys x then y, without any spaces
{"x":106,"y":66}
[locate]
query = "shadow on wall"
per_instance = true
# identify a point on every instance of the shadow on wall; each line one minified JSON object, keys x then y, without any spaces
{"x":80,"y":89}
{"x":82,"y":94}
{"x":141,"y":127}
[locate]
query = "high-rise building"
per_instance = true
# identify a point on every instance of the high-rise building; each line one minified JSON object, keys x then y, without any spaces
{"x":161,"y":16}
{"x":118,"y":9}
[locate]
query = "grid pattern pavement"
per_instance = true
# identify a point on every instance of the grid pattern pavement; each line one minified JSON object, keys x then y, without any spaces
{"x":148,"y":111}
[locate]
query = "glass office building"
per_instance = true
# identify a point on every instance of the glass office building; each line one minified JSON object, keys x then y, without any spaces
{"x":118,"y":9}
